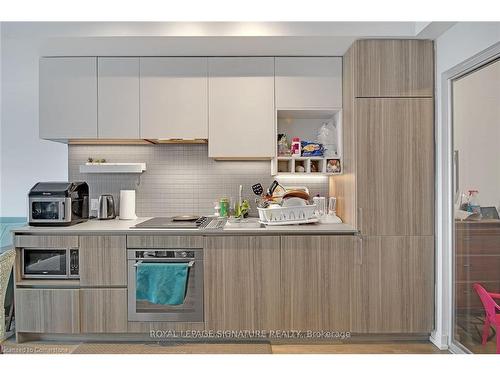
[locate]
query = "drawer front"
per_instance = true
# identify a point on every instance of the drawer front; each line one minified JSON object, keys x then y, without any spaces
{"x":48,"y":310}
{"x":103,"y":261}
{"x":164,"y":242}
{"x":478,"y":242}
{"x":46,"y":241}
{"x":478,"y":268}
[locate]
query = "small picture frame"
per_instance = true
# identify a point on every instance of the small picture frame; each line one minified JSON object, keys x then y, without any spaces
{"x":489,"y":213}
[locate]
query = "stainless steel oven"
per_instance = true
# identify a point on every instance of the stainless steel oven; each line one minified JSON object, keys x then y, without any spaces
{"x":50,"y":263}
{"x":191,"y":310}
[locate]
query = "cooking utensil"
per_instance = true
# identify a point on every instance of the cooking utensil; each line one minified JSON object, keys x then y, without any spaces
{"x":257,"y":189}
{"x":273,"y":187}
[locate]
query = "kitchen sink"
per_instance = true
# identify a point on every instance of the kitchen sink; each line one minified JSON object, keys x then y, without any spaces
{"x":251,"y":223}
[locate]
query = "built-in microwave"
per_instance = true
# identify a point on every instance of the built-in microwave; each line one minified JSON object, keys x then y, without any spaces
{"x":50,"y":263}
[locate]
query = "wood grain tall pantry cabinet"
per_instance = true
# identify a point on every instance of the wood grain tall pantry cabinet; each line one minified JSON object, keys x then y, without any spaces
{"x":387,"y":189}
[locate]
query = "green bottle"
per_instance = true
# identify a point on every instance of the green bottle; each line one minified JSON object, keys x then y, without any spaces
{"x":224,"y":207}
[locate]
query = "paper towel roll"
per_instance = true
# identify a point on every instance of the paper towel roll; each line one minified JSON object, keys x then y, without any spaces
{"x":127,"y":205}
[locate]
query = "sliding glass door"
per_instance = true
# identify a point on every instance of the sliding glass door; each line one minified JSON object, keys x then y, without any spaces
{"x":476,"y":167}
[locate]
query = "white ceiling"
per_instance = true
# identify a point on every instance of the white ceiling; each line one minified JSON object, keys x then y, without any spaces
{"x":212,"y":38}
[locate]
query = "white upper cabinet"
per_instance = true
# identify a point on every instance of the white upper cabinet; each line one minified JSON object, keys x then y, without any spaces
{"x":308,"y":82}
{"x":174,"y":102}
{"x":118,"y":97}
{"x":68,"y":98}
{"x":241,"y":107}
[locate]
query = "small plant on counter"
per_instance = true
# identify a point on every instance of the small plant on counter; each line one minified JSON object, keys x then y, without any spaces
{"x":241,"y":211}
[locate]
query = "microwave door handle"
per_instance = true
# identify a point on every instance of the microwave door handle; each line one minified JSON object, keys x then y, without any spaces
{"x":62,"y":208}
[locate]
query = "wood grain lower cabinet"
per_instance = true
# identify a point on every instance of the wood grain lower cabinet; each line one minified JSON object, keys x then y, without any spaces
{"x":242,"y":282}
{"x":147,"y":327}
{"x":103,"y":310}
{"x":103,"y":261}
{"x":47,"y":310}
{"x":397,"y":281}
{"x":318,"y":282}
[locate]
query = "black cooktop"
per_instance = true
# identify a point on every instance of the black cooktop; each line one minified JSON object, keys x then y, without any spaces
{"x":176,"y":222}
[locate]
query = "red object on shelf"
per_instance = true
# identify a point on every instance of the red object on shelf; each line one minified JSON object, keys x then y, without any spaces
{"x":295,"y":146}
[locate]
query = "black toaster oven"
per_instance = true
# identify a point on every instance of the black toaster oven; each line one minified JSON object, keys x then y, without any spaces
{"x":58,"y":203}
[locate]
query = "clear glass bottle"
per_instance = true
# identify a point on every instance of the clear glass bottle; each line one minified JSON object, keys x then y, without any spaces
{"x":474,"y":206}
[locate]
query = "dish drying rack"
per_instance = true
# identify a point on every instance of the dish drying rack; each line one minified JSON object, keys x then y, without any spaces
{"x":287,"y":215}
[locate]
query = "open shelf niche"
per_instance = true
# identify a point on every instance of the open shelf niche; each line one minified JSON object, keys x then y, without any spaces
{"x":305,"y":124}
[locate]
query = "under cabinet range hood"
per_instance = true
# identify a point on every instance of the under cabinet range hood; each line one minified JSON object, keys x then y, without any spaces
{"x":109,"y":142}
{"x":89,"y":141}
{"x":179,"y":140}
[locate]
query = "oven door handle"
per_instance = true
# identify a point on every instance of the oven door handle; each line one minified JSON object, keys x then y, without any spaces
{"x":190,"y":264}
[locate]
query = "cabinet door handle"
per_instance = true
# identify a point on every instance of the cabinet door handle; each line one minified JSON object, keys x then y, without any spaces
{"x":360,"y":251}
{"x":360,"y":219}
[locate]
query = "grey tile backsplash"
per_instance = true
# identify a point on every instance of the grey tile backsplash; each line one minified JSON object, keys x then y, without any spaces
{"x":180,"y":178}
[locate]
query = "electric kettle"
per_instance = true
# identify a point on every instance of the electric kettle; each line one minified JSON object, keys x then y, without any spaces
{"x":106,"y":207}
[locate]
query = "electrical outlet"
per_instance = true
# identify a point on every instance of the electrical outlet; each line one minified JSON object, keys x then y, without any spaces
{"x":94,"y":204}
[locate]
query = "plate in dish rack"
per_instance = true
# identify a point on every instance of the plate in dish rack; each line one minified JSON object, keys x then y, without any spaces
{"x":291,"y":222}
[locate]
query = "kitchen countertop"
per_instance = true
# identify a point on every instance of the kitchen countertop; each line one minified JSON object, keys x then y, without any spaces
{"x":101,"y":227}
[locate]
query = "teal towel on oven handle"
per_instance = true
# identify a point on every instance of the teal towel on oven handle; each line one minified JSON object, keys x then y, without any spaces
{"x":162,"y":283}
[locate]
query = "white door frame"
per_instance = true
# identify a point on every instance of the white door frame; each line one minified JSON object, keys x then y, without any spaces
{"x":442,"y":336}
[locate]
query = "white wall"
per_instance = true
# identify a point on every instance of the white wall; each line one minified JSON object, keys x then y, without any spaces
{"x":457,"y":44}
{"x":25,"y":159}
{"x":476,"y":131}
{"x":1,"y":119}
